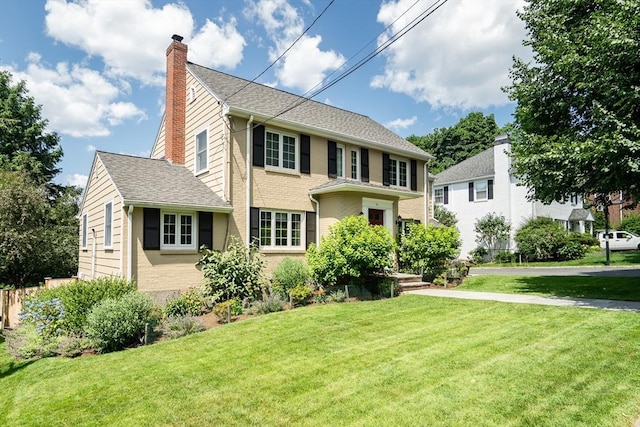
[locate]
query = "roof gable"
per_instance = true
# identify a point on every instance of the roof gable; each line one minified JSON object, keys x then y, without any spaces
{"x":156,"y":182}
{"x":241,"y":94}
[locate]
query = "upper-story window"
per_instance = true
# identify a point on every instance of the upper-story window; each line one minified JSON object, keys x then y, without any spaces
{"x":481,"y":190}
{"x":574,"y":199}
{"x":178,"y":231}
{"x":108,"y":225}
{"x":340,"y":160}
{"x":281,"y":151}
{"x":202,"y":158}
{"x":355,"y":161}
{"x":438,"y":196}
{"x":397,"y":172}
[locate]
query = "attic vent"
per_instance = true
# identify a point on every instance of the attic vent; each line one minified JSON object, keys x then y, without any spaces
{"x":192,"y":94}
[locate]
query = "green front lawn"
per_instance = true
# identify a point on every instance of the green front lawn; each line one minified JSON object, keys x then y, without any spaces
{"x":597,"y":258}
{"x":411,"y":360}
{"x":616,"y":288}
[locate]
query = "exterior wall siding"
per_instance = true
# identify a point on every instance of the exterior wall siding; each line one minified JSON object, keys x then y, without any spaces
{"x":107,"y":261}
{"x":157,"y":151}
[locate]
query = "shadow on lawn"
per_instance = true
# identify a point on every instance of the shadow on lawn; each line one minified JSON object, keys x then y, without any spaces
{"x":623,"y":288}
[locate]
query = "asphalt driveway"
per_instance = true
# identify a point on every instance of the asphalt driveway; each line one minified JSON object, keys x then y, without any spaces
{"x":603,"y":271}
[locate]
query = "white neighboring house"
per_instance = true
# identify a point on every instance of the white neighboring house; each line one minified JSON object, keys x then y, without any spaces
{"x":484,"y":184}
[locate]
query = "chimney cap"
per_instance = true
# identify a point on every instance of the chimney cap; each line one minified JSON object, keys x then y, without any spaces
{"x":177,"y":38}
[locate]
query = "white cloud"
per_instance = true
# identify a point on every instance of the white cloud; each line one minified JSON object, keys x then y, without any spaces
{"x":401,"y":123}
{"x":77,"y":101}
{"x":91,"y":148}
{"x":458,"y":57}
{"x":131,"y":36}
{"x":78,"y":180}
{"x":306,"y":64}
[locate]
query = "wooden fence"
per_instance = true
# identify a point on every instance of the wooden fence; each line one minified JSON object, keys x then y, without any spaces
{"x":11,"y":300}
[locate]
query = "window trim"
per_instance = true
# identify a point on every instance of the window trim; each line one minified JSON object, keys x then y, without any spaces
{"x":486,"y":190}
{"x":85,"y":234}
{"x":435,"y":196}
{"x":272,"y":234}
{"x":397,"y":161}
{"x":296,"y":157}
{"x":104,"y":238}
{"x":204,"y":130}
{"x":357,"y":164}
{"x":178,"y":232}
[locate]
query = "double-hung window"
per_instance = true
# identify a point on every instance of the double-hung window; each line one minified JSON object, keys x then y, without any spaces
{"x":354,"y":164}
{"x":85,"y":224}
{"x":280,"y":229}
{"x":438,"y":196}
{"x":178,"y":231}
{"x":481,"y":190}
{"x":281,"y":151}
{"x":340,"y":161}
{"x":398,"y":172}
{"x":108,"y":225}
{"x":202,"y":160}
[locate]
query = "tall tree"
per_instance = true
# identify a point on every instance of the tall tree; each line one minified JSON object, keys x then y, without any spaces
{"x":25,"y":145}
{"x":471,"y":135}
{"x":38,"y":223}
{"x":578,"y":111}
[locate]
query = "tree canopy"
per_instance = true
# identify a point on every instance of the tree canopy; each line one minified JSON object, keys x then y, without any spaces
{"x":578,"y":101}
{"x":450,"y":146}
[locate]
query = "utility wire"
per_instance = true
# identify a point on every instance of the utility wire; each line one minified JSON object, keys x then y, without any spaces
{"x":283,"y":53}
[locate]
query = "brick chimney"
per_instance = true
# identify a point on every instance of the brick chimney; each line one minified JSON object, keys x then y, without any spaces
{"x":176,"y":101}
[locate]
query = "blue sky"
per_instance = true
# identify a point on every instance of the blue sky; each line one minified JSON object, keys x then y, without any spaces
{"x":97,"y":66}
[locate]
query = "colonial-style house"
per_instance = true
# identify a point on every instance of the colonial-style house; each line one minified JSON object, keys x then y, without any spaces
{"x":484,"y":184}
{"x":236,"y":158}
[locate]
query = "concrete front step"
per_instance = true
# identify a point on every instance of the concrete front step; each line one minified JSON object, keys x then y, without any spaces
{"x":407,"y":278}
{"x":413,"y":286}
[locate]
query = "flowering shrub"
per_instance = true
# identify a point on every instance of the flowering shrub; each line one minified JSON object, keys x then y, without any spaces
{"x":46,"y":316}
{"x":189,"y":303}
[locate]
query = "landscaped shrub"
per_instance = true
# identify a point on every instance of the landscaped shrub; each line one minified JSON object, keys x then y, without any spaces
{"x":320,"y":296}
{"x":444,"y":216}
{"x":505,"y":257}
{"x":176,"y":327}
{"x":25,"y":342}
{"x":478,"y":255}
{"x":232,"y":307}
{"x":540,"y":239}
{"x":571,"y":250}
{"x":78,"y":298}
{"x":428,"y":249}
{"x":630,"y":223}
{"x":492,"y":231}
{"x":337,"y":296}
{"x":72,"y":346}
{"x":269,"y":304}
{"x":235,"y":273}
{"x":116,"y":323}
{"x":353,"y":249}
{"x":47,"y":316}
{"x":288,"y":274}
{"x":189,"y":303}
{"x":300,"y":294}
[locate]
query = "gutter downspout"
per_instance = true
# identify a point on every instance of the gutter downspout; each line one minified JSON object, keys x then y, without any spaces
{"x":130,"y":240}
{"x":93,"y":253}
{"x":248,"y":182}
{"x":317,"y":218}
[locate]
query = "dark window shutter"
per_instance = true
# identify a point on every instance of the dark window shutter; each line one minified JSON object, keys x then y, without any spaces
{"x":414,"y":175}
{"x":255,"y":225}
{"x":364,"y":164}
{"x":258,"y":145}
{"x":446,"y":194}
{"x":151,"y":226}
{"x":305,"y":154}
{"x":311,"y":228}
{"x":386,"y":169}
{"x":332,"y":157}
{"x":471,"y":191}
{"x":205,"y":229}
{"x":490,"y":189}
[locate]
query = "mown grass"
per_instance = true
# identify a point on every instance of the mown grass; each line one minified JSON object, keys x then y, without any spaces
{"x":411,"y":360}
{"x":600,"y":287}
{"x":593,"y":258}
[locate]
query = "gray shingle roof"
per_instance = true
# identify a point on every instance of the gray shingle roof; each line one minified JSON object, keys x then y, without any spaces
{"x":267,"y":101}
{"x":146,"y":181}
{"x":480,"y":165}
{"x":580,"y":214}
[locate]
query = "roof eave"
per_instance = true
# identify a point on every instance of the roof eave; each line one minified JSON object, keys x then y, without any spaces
{"x":355,"y":188}
{"x":471,"y":178}
{"x":151,"y":204}
{"x":240,"y":112}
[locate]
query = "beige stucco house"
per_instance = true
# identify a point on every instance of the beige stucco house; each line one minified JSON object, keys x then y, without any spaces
{"x":237,"y":158}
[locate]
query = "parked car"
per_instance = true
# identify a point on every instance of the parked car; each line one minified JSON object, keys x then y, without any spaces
{"x":619,"y":240}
